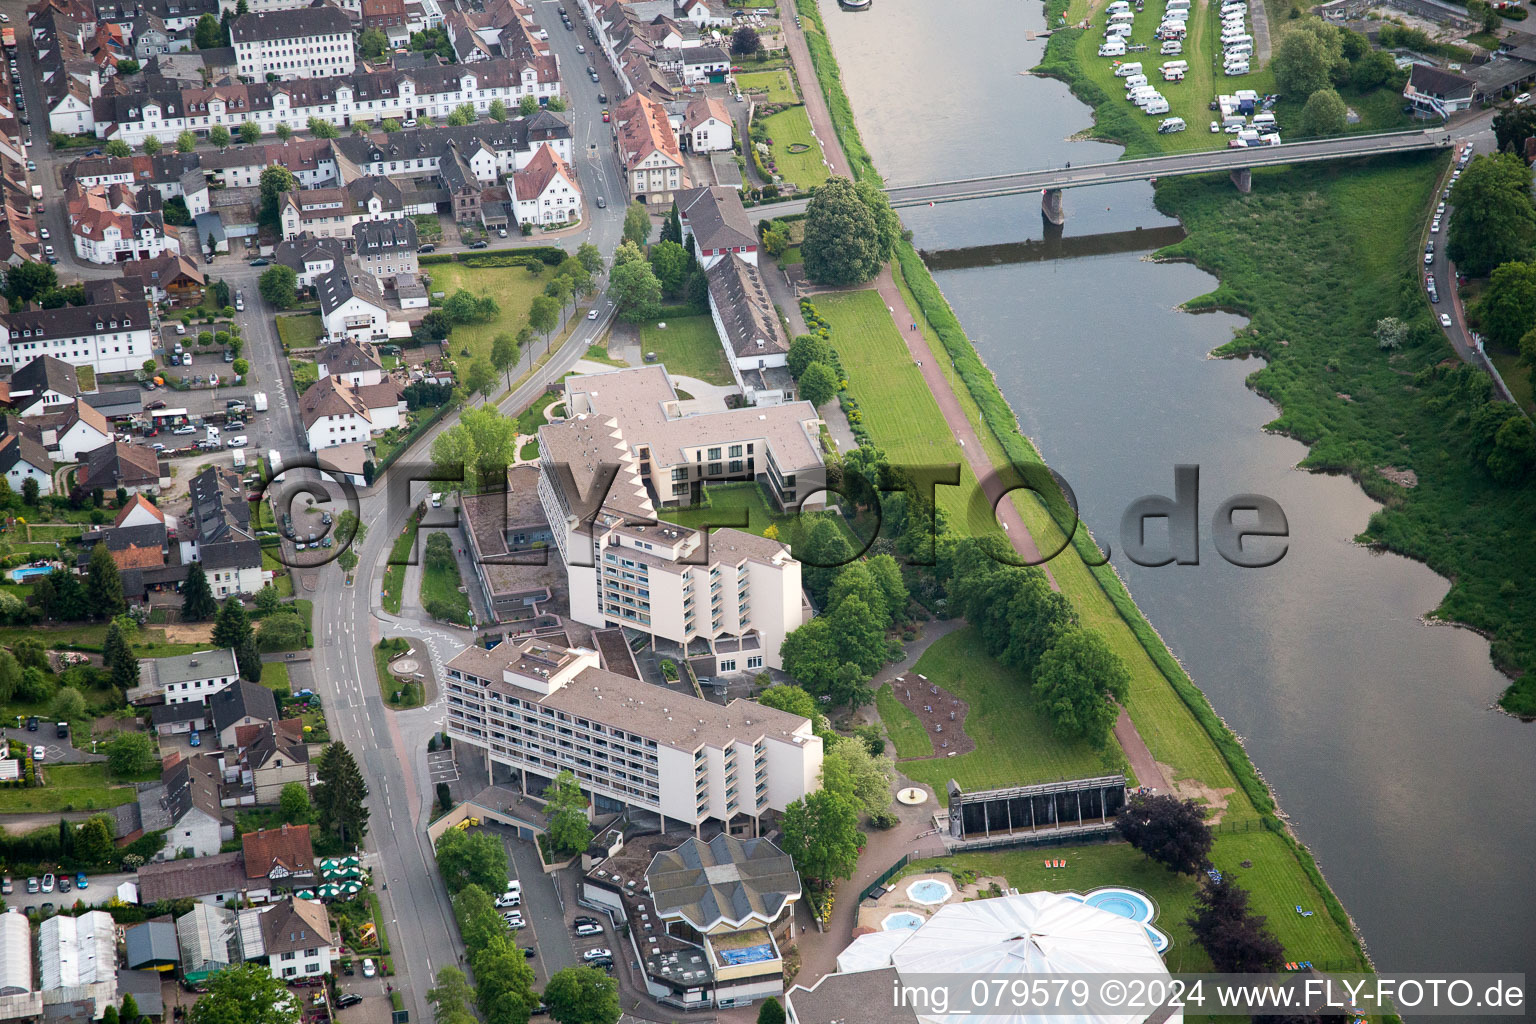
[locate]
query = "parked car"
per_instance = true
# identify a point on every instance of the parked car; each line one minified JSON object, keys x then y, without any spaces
{"x":238,"y":441}
{"x":48,"y":882}
{"x":586,"y":930}
{"x":185,"y":428}
{"x":262,"y":262}
{"x":32,"y":723}
{"x":369,"y":968}
{"x":509,"y":899}
{"x":347,"y":999}
{"x":65,"y":883}
{"x":33,"y":884}
{"x":5,"y":886}
{"x":62,"y":730}
{"x":600,"y":953}
{"x":43,"y":233}
{"x":480,"y":244}
{"x":40,"y":753}
{"x":1445,"y":319}
{"x":195,"y":740}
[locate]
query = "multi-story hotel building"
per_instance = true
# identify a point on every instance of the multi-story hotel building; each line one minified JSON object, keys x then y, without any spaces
{"x":541,"y":708}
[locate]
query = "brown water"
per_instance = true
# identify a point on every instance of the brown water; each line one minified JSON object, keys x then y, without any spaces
{"x":1372,"y":727}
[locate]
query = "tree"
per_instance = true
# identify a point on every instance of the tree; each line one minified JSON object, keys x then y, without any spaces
{"x":103,"y":583}
{"x":851,"y":770}
{"x":283,"y":131}
{"x":389,"y":126}
{"x":637,"y":223}
{"x":497,"y":110}
{"x":279,"y":286}
{"x":197,"y":602}
{"x":1493,"y":221}
{"x":65,"y":596}
{"x":151,"y":143}
{"x":821,"y":834}
{"x":570,"y":830}
{"x":527,"y":106}
{"x":68,"y":705}
{"x":503,"y":981}
{"x":26,"y":281}
{"x":479,"y":920}
{"x":117,"y":148}
{"x":669,"y":261}
{"x":1391,"y":332}
{"x":1323,"y":114}
{"x":186,"y":142}
{"x":1374,"y":69}
{"x":350,"y":530}
{"x":1507,"y":309}
{"x":437,"y":325}
{"x":1512,"y":126}
{"x":93,"y":840}
{"x":627,"y":252}
{"x":131,"y":754}
{"x":807,"y":349}
{"x":590,"y":257}
{"x":480,"y":446}
{"x":818,"y":384}
{"x":1304,"y":62}
{"x":468,"y":857}
{"x":1235,"y":938}
{"x":672,"y":228}
{"x":635,"y":290}
{"x":219,"y":136}
{"x":1484,"y":12}
{"x":339,"y":796}
{"x":451,"y":997}
{"x":462,"y":115}
{"x":250,"y":133}
{"x":245,"y":994}
{"x":842,"y":244}
{"x":771,"y":1012}
{"x":887,"y":224}
{"x":480,"y":378}
{"x":275,"y":180}
{"x":10,"y":675}
{"x":128,"y":66}
{"x":294,"y":802}
{"x":821,"y":548}
{"x":582,"y":995}
{"x":209,"y":34}
{"x":1168,"y":830}
{"x":744,"y":41}
{"x":371,"y":44}
{"x":320,"y":128}
{"x":544,"y":315}
{"x":1074,"y":684}
{"x":284,"y":631}
{"x":120,"y":659}
{"x":232,"y":628}
{"x":504,"y":353}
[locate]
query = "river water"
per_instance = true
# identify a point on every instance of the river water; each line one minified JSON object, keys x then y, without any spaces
{"x":1373,"y":728}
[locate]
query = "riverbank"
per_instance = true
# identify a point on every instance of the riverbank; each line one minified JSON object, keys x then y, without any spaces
{"x":1173,"y":716}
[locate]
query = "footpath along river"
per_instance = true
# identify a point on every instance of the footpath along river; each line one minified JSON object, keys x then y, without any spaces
{"x":1373,"y":728}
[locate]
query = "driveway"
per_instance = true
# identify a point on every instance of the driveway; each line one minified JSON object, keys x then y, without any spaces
{"x":58,"y":751}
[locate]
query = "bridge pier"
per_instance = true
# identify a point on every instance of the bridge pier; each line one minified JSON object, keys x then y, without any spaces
{"x":1050,"y":206}
{"x":1242,"y":177}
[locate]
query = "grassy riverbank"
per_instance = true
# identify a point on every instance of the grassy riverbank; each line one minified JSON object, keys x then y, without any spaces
{"x":1171,"y":714}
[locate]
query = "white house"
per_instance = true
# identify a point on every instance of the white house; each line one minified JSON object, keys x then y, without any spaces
{"x":545,"y":191}
{"x":184,"y":678}
{"x":314,"y":42}
{"x":351,"y":305}
{"x":336,"y":413}
{"x":23,"y":458}
{"x":707,"y":13}
{"x":336,"y":212}
{"x":44,"y":386}
{"x":217,"y":532}
{"x":309,"y":257}
{"x":706,"y":126}
{"x":356,"y":362}
{"x":110,"y":337}
{"x":647,"y":147}
{"x":75,"y":431}
{"x":717,"y":222}
{"x":756,"y":345}
{"x":186,"y":805}
{"x":296,"y":935}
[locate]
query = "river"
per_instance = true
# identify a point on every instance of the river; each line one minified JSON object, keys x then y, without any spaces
{"x":1373,"y":728}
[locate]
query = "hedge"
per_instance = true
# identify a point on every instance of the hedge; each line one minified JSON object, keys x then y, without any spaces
{"x":549,"y":255}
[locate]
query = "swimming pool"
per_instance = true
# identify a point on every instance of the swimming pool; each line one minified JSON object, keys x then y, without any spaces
{"x":1127,"y":903}
{"x":906,"y":920}
{"x":930,"y":891}
{"x":27,"y":572}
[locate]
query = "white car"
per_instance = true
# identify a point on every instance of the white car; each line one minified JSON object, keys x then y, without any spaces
{"x":1523,"y":97}
{"x":592,"y":314}
{"x":181,"y":328}
{"x":185,"y":428}
{"x":600,"y":953}
{"x":369,"y":969}
{"x":584,"y":930}
{"x":43,"y":233}
{"x":1434,"y":228}
{"x":509,"y":899}
{"x":1445,"y":319}
{"x":38,"y":754}
{"x":409,"y":122}
{"x":238,"y":441}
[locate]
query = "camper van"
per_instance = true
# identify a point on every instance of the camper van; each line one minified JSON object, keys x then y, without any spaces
{"x":1235,"y":69}
{"x":1173,"y":74}
{"x":1175,"y":65}
{"x":1228,"y":38}
{"x":1156,"y":105}
{"x":1177,"y":5}
{"x":1238,"y":51}
{"x":1122,"y":18}
{"x":1112,"y":48}
{"x":1129,"y":68}
{"x":1134,"y":81}
{"x":1172,"y":30}
{"x":1171,"y":48}
{"x":1141,"y":94}
{"x":1170,"y":125}
{"x":1265,"y":119}
{"x":1179,"y":17}
{"x":1121,"y":29}
{"x":1233,"y":8}
{"x":1117,"y":6}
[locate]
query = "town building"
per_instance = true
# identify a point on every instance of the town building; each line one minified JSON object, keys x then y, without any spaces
{"x":23,"y":458}
{"x":215,"y":880}
{"x":717,"y":222}
{"x":135,"y":468}
{"x":243,"y":703}
{"x":77,"y":961}
{"x":493,"y":149}
{"x":277,"y":860}
{"x":183,"y":678}
{"x":1433,"y":92}
{"x":266,"y":757}
{"x":45,"y":385}
{"x":756,"y":345}
{"x":508,"y":541}
{"x":217,"y":532}
{"x":356,"y":362}
{"x":336,"y":212}
{"x":705,"y":126}
{"x":109,"y":337}
{"x":545,"y":191}
{"x":648,"y":150}
{"x":186,"y":804}
{"x":386,"y":249}
{"x":151,"y":946}
{"x":336,"y":413}
{"x":312,"y":42}
{"x":352,"y":306}
{"x":139,"y":540}
{"x":310,"y":257}
{"x":116,"y":223}
{"x":541,"y":709}
{"x":72,"y":431}
{"x":296,"y":937}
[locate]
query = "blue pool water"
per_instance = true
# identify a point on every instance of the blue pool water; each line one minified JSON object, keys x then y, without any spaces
{"x":930,"y":891}
{"x":27,"y":572}
{"x":904,"y":920}
{"x":1127,"y":903}
{"x":748,"y":955}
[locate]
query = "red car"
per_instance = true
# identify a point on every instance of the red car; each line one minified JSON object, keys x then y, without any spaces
{"x":606,"y":118}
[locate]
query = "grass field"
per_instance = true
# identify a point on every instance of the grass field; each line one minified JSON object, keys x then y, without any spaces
{"x":78,"y":787}
{"x":1014,"y":744}
{"x":901,"y":725}
{"x":689,"y":346}
{"x":299,"y":331}
{"x":532,"y":418}
{"x":274,"y":675}
{"x":727,"y":502}
{"x":778,"y":85}
{"x":792,"y":127}
{"x":440,"y":583}
{"x":1275,"y":881}
{"x":513,"y":288}
{"x":1517,"y":375}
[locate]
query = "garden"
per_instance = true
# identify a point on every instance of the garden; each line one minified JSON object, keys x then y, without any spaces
{"x":442,"y":589}
{"x":687,"y":346}
{"x":513,"y":288}
{"x":794,"y":153}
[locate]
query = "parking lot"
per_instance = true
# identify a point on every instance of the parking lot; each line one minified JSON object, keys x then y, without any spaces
{"x":55,"y":750}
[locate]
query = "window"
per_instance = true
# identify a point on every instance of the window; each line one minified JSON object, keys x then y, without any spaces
{"x":728,"y":665}
{"x":756,"y":661}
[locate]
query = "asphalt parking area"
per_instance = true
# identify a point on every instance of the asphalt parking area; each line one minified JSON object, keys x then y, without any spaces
{"x":442,"y":767}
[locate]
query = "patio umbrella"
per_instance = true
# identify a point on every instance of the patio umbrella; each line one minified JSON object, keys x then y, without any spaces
{"x":351,"y":862}
{"x":352,"y":888}
{"x":305,"y":894}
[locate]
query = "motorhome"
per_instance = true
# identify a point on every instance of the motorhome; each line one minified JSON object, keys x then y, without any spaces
{"x":1237,"y":51}
{"x":1129,"y":68}
{"x":1176,"y":17}
{"x":1156,"y":105}
{"x":1261,"y":119}
{"x":1112,"y":48}
{"x":1122,"y":18}
{"x":1231,"y":70}
{"x":1117,"y":6}
{"x":1171,"y":47}
{"x":1134,"y":81}
{"x":1173,"y":74}
{"x":1172,"y":124}
{"x":1121,"y":29}
{"x":1141,"y":94}
{"x":1228,"y":38}
{"x":1175,"y":65}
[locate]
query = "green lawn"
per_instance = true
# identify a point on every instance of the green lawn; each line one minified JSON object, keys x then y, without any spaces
{"x":305,"y":373}
{"x":792,"y":127}
{"x":440,"y":583}
{"x":1014,"y":744}
{"x":903,"y":727}
{"x":728,"y":502}
{"x":529,"y":450}
{"x":1276,"y":881}
{"x":274,"y":675}
{"x":532,"y":418}
{"x":400,"y":553}
{"x":78,"y":787}
{"x":513,"y":288}
{"x":689,"y":346}
{"x":779,"y":85}
{"x":411,"y":694}
{"x":299,"y":331}
{"x":47,"y":532}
